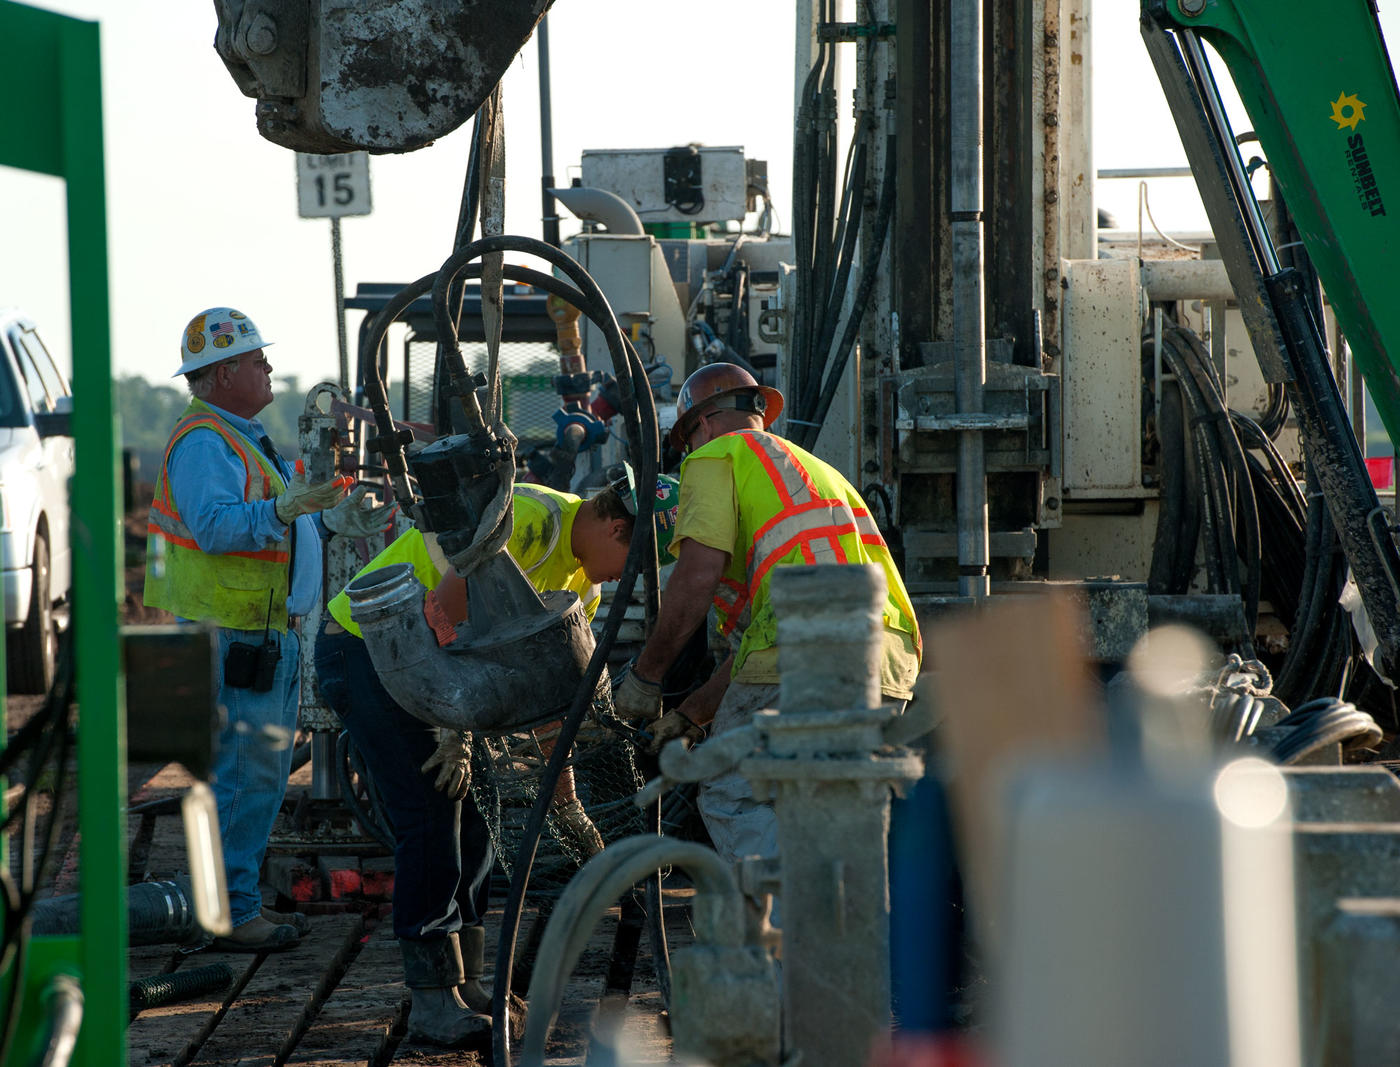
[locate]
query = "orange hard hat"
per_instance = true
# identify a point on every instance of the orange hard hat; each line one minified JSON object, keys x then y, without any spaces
{"x":712,"y":383}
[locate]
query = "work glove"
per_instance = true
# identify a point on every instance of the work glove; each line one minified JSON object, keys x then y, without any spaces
{"x":302,"y":498}
{"x":636,"y":698}
{"x":576,"y":827}
{"x":352,"y":518}
{"x":671,"y":726}
{"x":453,"y":760}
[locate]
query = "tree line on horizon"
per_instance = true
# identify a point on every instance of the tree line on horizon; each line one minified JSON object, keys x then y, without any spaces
{"x":148,"y":412}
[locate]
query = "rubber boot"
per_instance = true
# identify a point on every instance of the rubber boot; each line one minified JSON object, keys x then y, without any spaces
{"x":474,"y":994}
{"x":433,"y":971}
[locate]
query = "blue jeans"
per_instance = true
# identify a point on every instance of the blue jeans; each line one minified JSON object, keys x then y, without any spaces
{"x":442,"y":848}
{"x":251,"y":766}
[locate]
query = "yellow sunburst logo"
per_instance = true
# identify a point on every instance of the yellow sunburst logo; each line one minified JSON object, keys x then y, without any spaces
{"x":1347,"y":111}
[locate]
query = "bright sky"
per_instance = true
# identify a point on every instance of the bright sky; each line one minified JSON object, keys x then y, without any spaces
{"x":202,"y":211}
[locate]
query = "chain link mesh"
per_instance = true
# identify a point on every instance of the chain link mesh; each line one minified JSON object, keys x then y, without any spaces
{"x":527,"y":385}
{"x":418,"y":360}
{"x":592,"y":803}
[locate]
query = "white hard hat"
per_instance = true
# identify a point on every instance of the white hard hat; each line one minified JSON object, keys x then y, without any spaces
{"x":215,"y":335}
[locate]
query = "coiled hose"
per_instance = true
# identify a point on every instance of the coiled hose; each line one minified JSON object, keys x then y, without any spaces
{"x":1321,"y":723}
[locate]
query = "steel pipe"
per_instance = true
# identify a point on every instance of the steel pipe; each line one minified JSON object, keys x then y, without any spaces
{"x":969,"y":325}
{"x":1186,"y":279}
{"x":490,"y":683}
{"x":600,"y":205}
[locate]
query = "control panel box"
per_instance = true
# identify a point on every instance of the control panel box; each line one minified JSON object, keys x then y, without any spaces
{"x":692,"y":183}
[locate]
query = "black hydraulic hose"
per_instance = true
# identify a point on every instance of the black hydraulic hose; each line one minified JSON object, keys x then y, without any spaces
{"x":1323,"y":722}
{"x":470,"y":206}
{"x":1281,"y":544}
{"x":1172,"y":537}
{"x":612,"y":335}
{"x":862,"y":298}
{"x":1210,"y":422}
{"x":467,"y":215}
{"x":826,"y":203}
{"x":405,"y":297}
{"x":1253,"y":435}
{"x":804,"y":193}
{"x":1277,"y":494}
{"x":1193,"y":511}
{"x":812,"y":260}
{"x":1275,"y":415}
{"x":661,"y":953}
{"x":829,"y":314}
{"x":1296,"y":677}
{"x":1216,"y":435}
{"x":1231,"y":505}
{"x":843,"y":240}
{"x":1179,"y":461}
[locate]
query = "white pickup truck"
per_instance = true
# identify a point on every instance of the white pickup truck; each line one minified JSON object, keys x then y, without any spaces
{"x":36,"y":465}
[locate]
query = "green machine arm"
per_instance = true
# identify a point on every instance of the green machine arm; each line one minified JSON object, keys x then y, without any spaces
{"x":1324,"y":106}
{"x":1318,"y":86}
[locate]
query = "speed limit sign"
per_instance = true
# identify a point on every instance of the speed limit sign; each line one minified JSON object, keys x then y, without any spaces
{"x":329,"y":187}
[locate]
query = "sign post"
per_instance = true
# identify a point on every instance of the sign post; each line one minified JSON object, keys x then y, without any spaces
{"x":331,"y":186}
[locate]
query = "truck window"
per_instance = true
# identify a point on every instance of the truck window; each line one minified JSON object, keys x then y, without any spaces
{"x":39,"y":401}
{"x":12,"y":405}
{"x":48,"y":373}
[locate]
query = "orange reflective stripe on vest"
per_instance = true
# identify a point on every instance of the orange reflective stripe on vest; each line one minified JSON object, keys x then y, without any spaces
{"x":165,"y":521}
{"x":732,"y":600}
{"x":807,"y":522}
{"x":809,"y":515}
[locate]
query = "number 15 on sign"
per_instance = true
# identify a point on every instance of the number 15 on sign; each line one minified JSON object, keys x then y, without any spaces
{"x":329,"y":187}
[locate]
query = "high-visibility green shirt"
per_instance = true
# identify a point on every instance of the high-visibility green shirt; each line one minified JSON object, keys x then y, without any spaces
{"x":233,"y":589}
{"x":542,"y":528}
{"x":767,"y":503}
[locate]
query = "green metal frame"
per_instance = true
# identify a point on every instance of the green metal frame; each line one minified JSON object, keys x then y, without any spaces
{"x":1301,"y":70}
{"x":51,"y":123}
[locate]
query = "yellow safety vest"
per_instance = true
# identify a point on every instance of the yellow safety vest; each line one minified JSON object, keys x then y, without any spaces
{"x":232,"y":589}
{"x":539,"y":543}
{"x":793,"y":509}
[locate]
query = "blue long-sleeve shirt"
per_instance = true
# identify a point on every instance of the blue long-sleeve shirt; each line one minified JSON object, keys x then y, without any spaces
{"x":206,"y":480}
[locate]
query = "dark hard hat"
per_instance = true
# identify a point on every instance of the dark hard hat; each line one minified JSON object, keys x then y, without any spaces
{"x":713,"y":382}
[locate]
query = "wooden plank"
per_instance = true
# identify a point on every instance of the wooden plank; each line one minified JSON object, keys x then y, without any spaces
{"x":355,"y":1022}
{"x":272,"y":1006}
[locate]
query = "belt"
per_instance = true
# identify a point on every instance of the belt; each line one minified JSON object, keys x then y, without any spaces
{"x":294,"y":623}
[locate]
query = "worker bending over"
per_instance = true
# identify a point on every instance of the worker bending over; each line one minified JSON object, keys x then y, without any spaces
{"x":235,"y":539}
{"x":749,"y":502}
{"x":442,"y":846}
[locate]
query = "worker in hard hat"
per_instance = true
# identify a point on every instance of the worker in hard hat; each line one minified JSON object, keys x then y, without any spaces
{"x":749,"y":502}
{"x":234,"y":539}
{"x":442,"y":848}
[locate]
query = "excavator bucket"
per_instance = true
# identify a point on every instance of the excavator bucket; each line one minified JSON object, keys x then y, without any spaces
{"x":371,"y":75}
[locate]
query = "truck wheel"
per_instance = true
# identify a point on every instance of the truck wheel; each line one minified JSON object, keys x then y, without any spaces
{"x":33,"y":650}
